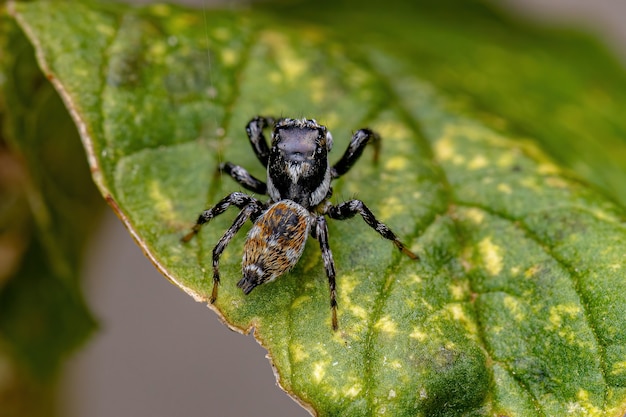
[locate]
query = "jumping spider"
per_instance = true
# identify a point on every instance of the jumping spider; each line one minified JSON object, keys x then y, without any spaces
{"x":298,"y":184}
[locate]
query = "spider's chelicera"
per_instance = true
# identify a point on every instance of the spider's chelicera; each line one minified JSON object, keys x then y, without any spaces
{"x":298,"y":184}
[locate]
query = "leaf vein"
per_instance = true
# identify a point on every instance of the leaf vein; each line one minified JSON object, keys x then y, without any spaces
{"x":584,"y":302}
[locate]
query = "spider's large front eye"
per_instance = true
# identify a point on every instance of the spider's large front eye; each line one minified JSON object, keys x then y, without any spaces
{"x":297,"y":145}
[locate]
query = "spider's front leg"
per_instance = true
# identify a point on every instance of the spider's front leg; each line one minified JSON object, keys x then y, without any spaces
{"x":243,"y":177}
{"x":321,"y":234}
{"x":350,"y":208}
{"x":355,"y":149}
{"x":254,"y":129}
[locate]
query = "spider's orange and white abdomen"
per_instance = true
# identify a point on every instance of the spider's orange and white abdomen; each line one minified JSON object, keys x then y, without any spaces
{"x":274,"y":244}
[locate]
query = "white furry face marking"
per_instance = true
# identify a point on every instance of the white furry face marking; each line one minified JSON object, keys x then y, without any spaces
{"x":295,"y":170}
{"x":320,"y":192}
{"x":272,"y":191}
{"x":298,"y":167}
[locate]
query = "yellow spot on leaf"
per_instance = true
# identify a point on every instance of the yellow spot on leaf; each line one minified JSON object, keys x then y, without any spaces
{"x":300,"y":300}
{"x":458,"y":314}
{"x":392,"y":130}
{"x":458,"y":159}
{"x":491,"y":255}
{"x":475,"y":215}
{"x":584,"y":406}
{"x":161,"y":9}
{"x":319,"y":370}
{"x":506,"y":160}
{"x":531,"y":184}
{"x":298,"y":352}
{"x":504,"y":188}
{"x":222,"y":33}
{"x":353,"y":390}
{"x":444,"y":149}
{"x":291,"y":65}
{"x":385,"y":324}
{"x":514,"y":308}
{"x":358,"y":311}
{"x":478,"y":162}
{"x":275,"y":77}
{"x":105,"y":29}
{"x":459,"y":290}
{"x":397,"y":163}
{"x":532,"y":271}
{"x":392,"y":208}
{"x":603,"y":215}
{"x":332,"y":118}
{"x":229,"y":57}
{"x":161,"y":203}
{"x":557,"y":182}
{"x":348,"y":283}
{"x":414,"y":278}
{"x":418,"y":334}
{"x":618,"y":368}
{"x":157,"y":49}
{"x":547,"y":169}
{"x":557,"y":313}
{"x":318,"y":90}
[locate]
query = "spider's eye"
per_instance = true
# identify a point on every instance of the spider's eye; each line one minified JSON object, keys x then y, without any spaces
{"x":296,"y":144}
{"x":329,"y":141}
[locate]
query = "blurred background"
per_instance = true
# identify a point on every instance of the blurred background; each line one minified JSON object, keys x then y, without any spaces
{"x":159,"y":353}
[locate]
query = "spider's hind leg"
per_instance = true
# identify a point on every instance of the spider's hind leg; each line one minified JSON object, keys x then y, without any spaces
{"x":224,"y":241}
{"x":321,"y":234}
{"x":250,"y":208}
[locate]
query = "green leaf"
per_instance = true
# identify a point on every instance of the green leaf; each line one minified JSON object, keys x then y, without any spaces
{"x":517,"y":304}
{"x":554,"y":86}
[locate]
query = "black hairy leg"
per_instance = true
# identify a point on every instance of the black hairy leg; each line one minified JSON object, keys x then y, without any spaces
{"x":254,"y":130}
{"x":359,"y":141}
{"x":239,"y":221}
{"x":237,"y":199}
{"x":243,"y":177}
{"x":350,"y":208}
{"x":321,"y":234}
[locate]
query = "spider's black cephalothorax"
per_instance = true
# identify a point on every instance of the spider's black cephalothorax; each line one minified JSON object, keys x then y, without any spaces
{"x":298,"y":183}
